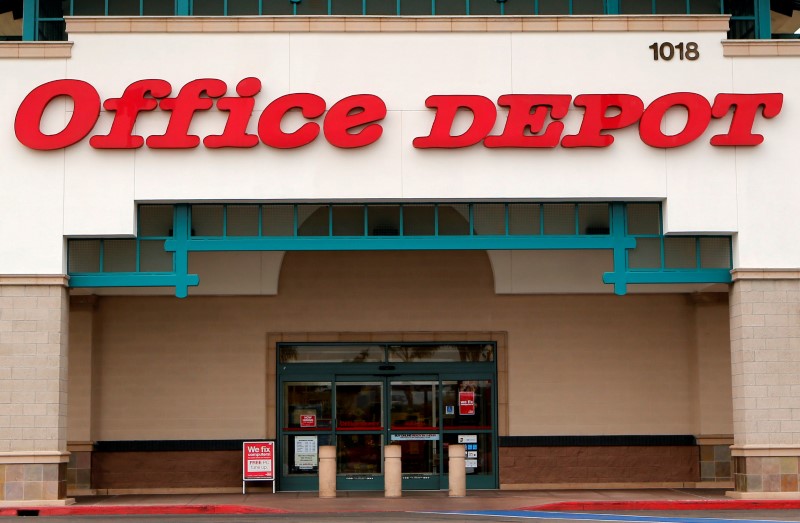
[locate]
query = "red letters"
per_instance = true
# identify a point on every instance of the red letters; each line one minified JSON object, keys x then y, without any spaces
{"x":350,"y":113}
{"x":744,"y":115}
{"x":194,"y":96}
{"x":126,"y":109}
{"x":533,"y":121}
{"x":269,"y":125}
{"x":239,"y":111}
{"x":526,"y":113}
{"x":27,"y":124}
{"x":697,"y":120}
{"x":595,"y":119}
{"x":483,"y":117}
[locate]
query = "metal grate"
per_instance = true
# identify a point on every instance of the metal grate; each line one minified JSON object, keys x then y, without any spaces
{"x":559,"y":218}
{"x":490,"y":219}
{"x":119,"y":255}
{"x":454,"y":220}
{"x":277,"y":220}
{"x":644,"y":218}
{"x":84,"y":256}
{"x":155,"y":220}
{"x":242,"y":220}
{"x":207,"y":220}
{"x":680,"y":253}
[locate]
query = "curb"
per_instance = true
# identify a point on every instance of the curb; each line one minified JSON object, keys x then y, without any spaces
{"x":119,"y":510}
{"x":733,"y":504}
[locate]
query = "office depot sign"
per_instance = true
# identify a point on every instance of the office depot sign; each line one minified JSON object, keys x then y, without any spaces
{"x":532,"y":121}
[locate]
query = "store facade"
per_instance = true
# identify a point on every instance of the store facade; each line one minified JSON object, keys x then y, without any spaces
{"x":565,"y":242}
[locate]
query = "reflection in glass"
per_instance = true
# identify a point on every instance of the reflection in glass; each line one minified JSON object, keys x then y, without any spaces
{"x":414,"y":405}
{"x":478,"y":398}
{"x":307,"y":405}
{"x":479,"y":453}
{"x":330,"y":353}
{"x":359,"y":406}
{"x":359,"y":453}
{"x":441,"y":353}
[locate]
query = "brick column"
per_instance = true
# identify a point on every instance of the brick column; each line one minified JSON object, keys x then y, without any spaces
{"x":765,"y":370}
{"x":33,"y":390}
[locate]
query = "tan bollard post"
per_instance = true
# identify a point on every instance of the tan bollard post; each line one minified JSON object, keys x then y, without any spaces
{"x":458,"y":471}
{"x":327,"y":471}
{"x":393,"y":471}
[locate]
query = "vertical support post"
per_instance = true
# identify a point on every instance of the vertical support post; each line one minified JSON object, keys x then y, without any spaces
{"x":29,"y":16}
{"x":393,"y":473}
{"x":327,"y":471}
{"x":458,"y":471}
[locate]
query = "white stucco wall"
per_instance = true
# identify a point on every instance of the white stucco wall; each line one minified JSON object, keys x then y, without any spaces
{"x":84,"y":191}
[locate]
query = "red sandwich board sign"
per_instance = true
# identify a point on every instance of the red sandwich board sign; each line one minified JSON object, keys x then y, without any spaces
{"x":258,"y":462}
{"x":466,"y":403}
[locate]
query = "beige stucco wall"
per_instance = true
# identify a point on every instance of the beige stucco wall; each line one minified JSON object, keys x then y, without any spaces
{"x":167,"y":368}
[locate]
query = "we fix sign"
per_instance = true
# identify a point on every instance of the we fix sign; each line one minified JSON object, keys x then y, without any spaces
{"x":466,"y":403}
{"x":258,"y":460}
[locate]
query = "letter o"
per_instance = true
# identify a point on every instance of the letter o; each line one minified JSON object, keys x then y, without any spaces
{"x":697,"y":120}
{"x":27,"y":124}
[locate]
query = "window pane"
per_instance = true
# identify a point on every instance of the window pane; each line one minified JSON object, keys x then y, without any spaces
{"x":418,"y":220}
{"x":643,"y":218}
{"x":348,"y":220}
{"x":358,"y":453}
{"x":482,"y":449}
{"x":680,"y":253}
{"x":307,"y":399}
{"x":490,"y":219}
{"x":276,"y":7}
{"x":359,"y":406}
{"x":554,"y":7}
{"x":278,"y":220}
{"x":208,"y":7}
{"x":319,"y":7}
{"x":153,"y":257}
{"x":123,"y":8}
{"x":481,"y":396}
{"x":715,"y":253}
{"x":454,"y":220}
{"x":524,"y":218}
{"x":330,"y":353}
{"x":207,"y":220}
{"x":646,"y":255}
{"x":383,"y":220}
{"x":441,"y":353}
{"x":492,"y":7}
{"x":587,"y":7}
{"x":593,"y":218}
{"x":742,"y":29}
{"x":667,"y":7}
{"x":451,"y":7}
{"x":312,"y":220}
{"x":415,"y":7}
{"x":519,"y":7}
{"x":381,"y":7}
{"x":55,"y":8}
{"x":155,"y":220}
{"x":84,"y":256}
{"x":89,"y":7}
{"x":559,"y":218}
{"x":701,"y":7}
{"x":346,"y":7}
{"x":119,"y":256}
{"x":158,"y":8}
{"x":242,"y":220}
{"x":242,"y":7}
{"x":740,"y":7}
{"x":636,"y":7}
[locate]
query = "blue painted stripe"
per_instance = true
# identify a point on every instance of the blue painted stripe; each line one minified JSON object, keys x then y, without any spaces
{"x":583,"y":516}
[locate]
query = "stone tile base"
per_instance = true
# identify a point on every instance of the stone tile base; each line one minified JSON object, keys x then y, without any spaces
{"x":33,"y":482}
{"x":715,"y":463}
{"x":761,"y":474}
{"x":79,"y":471}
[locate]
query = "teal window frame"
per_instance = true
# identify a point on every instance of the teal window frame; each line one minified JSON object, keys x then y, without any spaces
{"x":183,"y":241}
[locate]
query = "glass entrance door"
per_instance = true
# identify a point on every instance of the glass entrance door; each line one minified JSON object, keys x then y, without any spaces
{"x":366,"y":397}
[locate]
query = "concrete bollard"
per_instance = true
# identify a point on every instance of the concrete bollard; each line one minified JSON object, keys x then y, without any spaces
{"x":327,"y":471}
{"x":458,"y":471}
{"x":393,"y":471}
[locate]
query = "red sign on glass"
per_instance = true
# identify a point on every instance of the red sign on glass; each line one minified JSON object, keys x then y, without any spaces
{"x":258,"y":460}
{"x":308,"y":421}
{"x":466,"y":403}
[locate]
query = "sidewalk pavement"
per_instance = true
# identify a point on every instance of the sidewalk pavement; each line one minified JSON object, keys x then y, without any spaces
{"x":309,"y":502}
